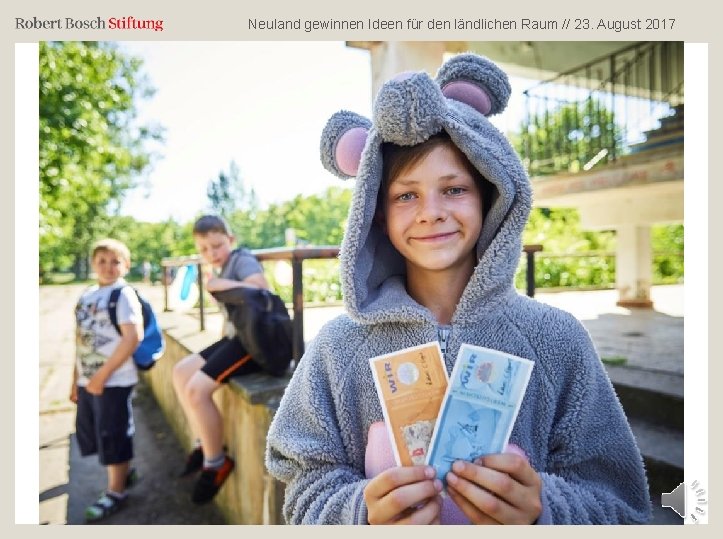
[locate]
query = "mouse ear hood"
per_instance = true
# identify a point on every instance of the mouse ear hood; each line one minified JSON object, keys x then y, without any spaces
{"x":342,"y":142}
{"x":408,"y":110}
{"x":475,"y":81}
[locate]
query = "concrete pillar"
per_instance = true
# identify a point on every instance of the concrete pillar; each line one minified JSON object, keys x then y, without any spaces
{"x":634,"y":266}
{"x":390,"y":58}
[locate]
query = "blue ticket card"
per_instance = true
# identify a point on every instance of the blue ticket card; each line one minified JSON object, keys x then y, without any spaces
{"x":479,"y":407}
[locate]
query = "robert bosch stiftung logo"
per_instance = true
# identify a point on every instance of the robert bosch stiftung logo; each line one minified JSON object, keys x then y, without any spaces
{"x":93,"y":23}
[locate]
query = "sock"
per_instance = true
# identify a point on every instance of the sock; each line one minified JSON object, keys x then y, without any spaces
{"x":214,"y":463}
{"x":119,"y":495}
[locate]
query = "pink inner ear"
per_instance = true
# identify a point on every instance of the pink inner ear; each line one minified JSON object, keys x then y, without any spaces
{"x":469,"y":93}
{"x":349,"y":149}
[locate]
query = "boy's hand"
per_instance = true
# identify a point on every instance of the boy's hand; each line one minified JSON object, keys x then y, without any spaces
{"x":96,"y":384}
{"x":404,"y":495}
{"x":496,"y":489}
{"x":215,"y":284}
{"x":74,"y":393}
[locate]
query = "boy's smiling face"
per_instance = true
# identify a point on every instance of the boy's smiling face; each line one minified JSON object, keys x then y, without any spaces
{"x":433,"y":213}
{"x":109,"y":267}
{"x":214,"y":247}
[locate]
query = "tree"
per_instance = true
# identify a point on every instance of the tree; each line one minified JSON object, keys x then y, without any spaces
{"x":152,"y":241}
{"x":568,"y":138}
{"x":586,"y":262}
{"x":317,"y":219}
{"x":227,"y":193}
{"x":320,"y":219}
{"x":669,"y":245}
{"x":91,"y":149}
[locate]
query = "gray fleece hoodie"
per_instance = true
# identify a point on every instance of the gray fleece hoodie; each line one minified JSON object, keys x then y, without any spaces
{"x":570,"y":424}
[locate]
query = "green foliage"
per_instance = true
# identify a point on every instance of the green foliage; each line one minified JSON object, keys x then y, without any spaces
{"x":576,"y":258}
{"x":320,"y":219}
{"x":571,"y":257}
{"x":614,"y":360}
{"x":558,"y":231}
{"x":316,"y":219}
{"x":568,"y":137}
{"x":575,"y":271}
{"x":91,"y":148}
{"x":258,"y":229}
{"x":152,"y":241}
{"x":668,"y":242}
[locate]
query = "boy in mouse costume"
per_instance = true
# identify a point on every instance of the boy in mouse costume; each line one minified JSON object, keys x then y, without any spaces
{"x":430,"y":251}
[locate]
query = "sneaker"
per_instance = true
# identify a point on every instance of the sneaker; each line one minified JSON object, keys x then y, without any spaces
{"x":105,"y":506}
{"x":132,"y":478}
{"x":194,"y":462}
{"x":210,"y":482}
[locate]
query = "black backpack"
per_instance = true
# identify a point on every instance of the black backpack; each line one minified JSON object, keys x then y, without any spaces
{"x":152,"y":345}
{"x":262,"y":325}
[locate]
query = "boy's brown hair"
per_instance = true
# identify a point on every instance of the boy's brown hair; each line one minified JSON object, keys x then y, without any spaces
{"x":111,"y":245}
{"x":211,"y":223}
{"x":398,"y":159}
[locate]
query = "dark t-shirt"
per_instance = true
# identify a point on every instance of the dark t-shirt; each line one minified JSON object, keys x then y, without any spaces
{"x":240,"y":265}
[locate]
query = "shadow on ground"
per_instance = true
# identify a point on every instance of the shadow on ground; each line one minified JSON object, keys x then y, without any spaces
{"x":637,"y":340}
{"x":160,"y":497}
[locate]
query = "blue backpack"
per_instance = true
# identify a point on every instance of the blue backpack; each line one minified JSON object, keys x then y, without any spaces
{"x":152,"y":345}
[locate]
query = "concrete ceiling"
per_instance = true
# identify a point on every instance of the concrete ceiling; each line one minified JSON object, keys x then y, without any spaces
{"x":537,"y":60}
{"x":540,"y":60}
{"x":649,"y":70}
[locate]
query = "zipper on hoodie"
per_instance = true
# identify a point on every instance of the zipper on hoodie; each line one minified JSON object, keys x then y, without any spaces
{"x":443,"y":335}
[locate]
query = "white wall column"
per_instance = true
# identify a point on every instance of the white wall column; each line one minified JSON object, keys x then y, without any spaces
{"x":634,"y":265}
{"x":389,"y":58}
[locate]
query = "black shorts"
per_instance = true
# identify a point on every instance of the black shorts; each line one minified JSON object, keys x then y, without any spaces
{"x":104,"y":424}
{"x":227,"y":358}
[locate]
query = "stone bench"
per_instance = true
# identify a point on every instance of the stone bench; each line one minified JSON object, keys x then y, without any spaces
{"x":247,"y":404}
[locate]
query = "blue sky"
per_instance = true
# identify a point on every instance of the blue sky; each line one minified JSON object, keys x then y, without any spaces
{"x":261,"y":104}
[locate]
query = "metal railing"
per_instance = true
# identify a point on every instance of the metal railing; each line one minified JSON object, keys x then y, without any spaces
{"x":530,"y":251}
{"x":563,"y":271}
{"x":595,"y":113}
{"x":296,"y":256}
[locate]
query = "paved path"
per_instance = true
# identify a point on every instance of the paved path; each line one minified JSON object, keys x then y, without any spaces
{"x":57,"y":413}
{"x":646,"y":339}
{"x":649,"y":340}
{"x":69,"y":482}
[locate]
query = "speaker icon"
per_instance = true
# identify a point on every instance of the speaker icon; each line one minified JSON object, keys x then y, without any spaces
{"x":677,"y":500}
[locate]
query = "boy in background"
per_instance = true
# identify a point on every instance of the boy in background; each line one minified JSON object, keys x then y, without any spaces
{"x":197,"y":376}
{"x":105,"y":374}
